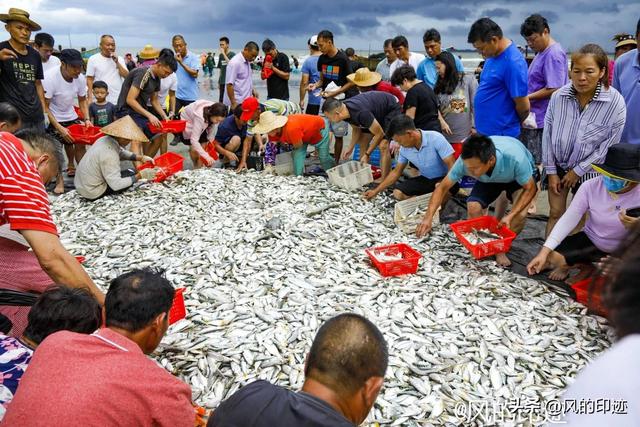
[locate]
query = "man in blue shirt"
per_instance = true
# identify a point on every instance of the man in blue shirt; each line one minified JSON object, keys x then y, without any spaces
{"x":311,"y":75}
{"x":626,"y":79}
{"x":501,"y":101}
{"x":433,"y":46}
{"x":499,"y":163}
{"x":429,"y":151}
{"x":187,"y":73}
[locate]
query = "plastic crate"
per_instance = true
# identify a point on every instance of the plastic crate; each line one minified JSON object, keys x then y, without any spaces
{"x":284,"y":164}
{"x":177,"y":310}
{"x":591,"y":295}
{"x":407,"y":265}
{"x":169,"y":163}
{"x":210,"y":148}
{"x":169,"y":126}
{"x":350,"y":175}
{"x":484,"y":250}
{"x":409,"y":213}
{"x":82,"y":134}
{"x":457,"y":149}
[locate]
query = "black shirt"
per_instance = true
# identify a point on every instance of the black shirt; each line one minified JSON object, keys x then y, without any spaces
{"x":355,"y":65}
{"x":18,"y":82}
{"x":425,"y":101}
{"x":336,"y":69}
{"x":277,"y":87}
{"x":262,"y":404}
{"x":367,"y":106}
{"x":143,"y":79}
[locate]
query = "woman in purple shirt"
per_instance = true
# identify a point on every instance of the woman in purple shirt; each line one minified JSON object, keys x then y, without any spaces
{"x":584,"y":119}
{"x":609,"y":200}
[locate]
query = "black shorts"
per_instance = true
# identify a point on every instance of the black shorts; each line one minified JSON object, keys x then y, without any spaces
{"x":139,"y":119}
{"x":312,"y":109}
{"x":579,"y":249}
{"x":486,"y":193}
{"x":421,"y":185}
{"x":182,"y":103}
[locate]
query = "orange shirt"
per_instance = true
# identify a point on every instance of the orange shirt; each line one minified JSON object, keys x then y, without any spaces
{"x":301,"y":128}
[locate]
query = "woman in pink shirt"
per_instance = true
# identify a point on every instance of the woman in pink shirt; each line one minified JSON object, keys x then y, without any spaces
{"x":609,"y":199}
{"x":201,"y":117}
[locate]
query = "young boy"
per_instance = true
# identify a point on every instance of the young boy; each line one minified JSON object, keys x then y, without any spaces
{"x":101,"y":112}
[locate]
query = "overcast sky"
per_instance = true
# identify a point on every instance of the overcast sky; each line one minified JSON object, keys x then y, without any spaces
{"x":359,"y":24}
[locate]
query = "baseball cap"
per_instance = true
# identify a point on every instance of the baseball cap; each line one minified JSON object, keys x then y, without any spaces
{"x":313,"y":41}
{"x":249,"y":107}
{"x":71,"y":57}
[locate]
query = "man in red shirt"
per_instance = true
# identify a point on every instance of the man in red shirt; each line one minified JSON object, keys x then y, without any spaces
{"x":299,"y":130}
{"x":106,"y":379}
{"x":25,"y":221}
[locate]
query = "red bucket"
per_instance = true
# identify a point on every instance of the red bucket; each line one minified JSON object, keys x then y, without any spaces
{"x":169,"y":126}
{"x":82,"y":134}
{"x":484,"y":250}
{"x":169,"y":163}
{"x":408,"y":264}
{"x":177,"y":310}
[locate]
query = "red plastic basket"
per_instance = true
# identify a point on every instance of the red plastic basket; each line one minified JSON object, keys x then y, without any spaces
{"x":169,"y":163}
{"x":82,"y":134}
{"x":457,"y":149}
{"x":177,"y":310}
{"x":592,"y":301}
{"x":169,"y":126}
{"x":376,"y":172}
{"x":407,"y":265}
{"x":210,"y":148}
{"x":484,"y":250}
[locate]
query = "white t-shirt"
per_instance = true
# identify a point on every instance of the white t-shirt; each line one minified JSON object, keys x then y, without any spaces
{"x":63,"y":94}
{"x":105,"y":69}
{"x":52,"y":64}
{"x":166,"y":84}
{"x":414,"y":60}
{"x":612,"y":378}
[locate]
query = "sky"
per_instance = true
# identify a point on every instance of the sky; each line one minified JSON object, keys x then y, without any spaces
{"x":362,"y":25}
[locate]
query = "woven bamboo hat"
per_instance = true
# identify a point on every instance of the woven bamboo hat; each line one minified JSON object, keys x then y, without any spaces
{"x":125,"y":128}
{"x":364,"y":77}
{"x":148,"y":52}
{"x":268,"y":122}
{"x":19,"y":15}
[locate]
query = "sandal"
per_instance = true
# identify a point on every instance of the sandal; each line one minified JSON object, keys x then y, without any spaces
{"x":71,"y":172}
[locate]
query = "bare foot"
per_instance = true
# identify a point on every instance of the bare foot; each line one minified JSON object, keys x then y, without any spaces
{"x":559,"y":273}
{"x":58,"y":190}
{"x":584,"y":273}
{"x":502,"y":260}
{"x":533,"y":208}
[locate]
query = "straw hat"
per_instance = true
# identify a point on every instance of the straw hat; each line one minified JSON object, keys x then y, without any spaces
{"x":149,"y":52}
{"x":20,"y":15}
{"x":364,"y":77}
{"x":624,"y":39}
{"x":268,"y":122}
{"x":125,"y":128}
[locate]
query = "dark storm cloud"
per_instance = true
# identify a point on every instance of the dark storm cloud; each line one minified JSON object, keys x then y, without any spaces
{"x":498,"y":12}
{"x":551,"y":16}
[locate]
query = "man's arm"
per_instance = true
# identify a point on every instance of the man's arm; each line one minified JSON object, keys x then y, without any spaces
{"x":231,"y":95}
{"x":59,"y":264}
{"x":90,"y":89}
{"x":522,"y":107}
{"x":378,"y":135}
{"x":281,"y":73}
{"x":246,"y":147}
{"x":343,"y":89}
{"x":304,"y":84}
{"x":122,"y":69}
{"x":395,"y":174}
{"x":172,"y":102}
{"x":40,"y":91}
{"x":544,"y":93}
{"x":155,"y":103}
{"x":84,"y":107}
{"x":529,"y":191}
{"x":191,"y":71}
{"x":132,"y":101}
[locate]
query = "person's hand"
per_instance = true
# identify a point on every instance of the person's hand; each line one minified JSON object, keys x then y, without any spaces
{"x":555,"y":186}
{"x":207,"y":160}
{"x":570,"y":179}
{"x":64,"y":133}
{"x":328,"y":94}
{"x":171,"y":115}
{"x":394,"y":147}
{"x":301,"y":104}
{"x":445,"y":128}
{"x":148,"y":174}
{"x":178,"y":57}
{"x":628,"y":221}
{"x":537,"y":264}
{"x":268,"y":65}
{"x":233,"y":105}
{"x":424,"y":227}
{"x":312,"y":86}
{"x":506,"y":221}
{"x":241,"y":166}
{"x":346,"y":154}
{"x":155,"y":122}
{"x":364,"y":159}
{"x":473,"y":131}
{"x":370,"y":194}
{"x":147,"y":159}
{"x":114,"y":56}
{"x":231,"y":156}
{"x":7,"y":54}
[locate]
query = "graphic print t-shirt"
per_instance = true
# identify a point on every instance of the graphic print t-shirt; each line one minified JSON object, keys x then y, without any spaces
{"x":336,"y":69}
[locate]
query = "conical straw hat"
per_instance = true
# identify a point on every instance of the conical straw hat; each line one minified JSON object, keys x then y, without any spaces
{"x":268,"y":122}
{"x":149,"y":52}
{"x":125,"y":128}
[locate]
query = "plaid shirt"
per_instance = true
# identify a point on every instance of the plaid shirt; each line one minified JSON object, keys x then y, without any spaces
{"x":575,"y":138}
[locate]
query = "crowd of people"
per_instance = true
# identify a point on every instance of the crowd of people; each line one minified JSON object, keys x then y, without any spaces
{"x":565,"y":124}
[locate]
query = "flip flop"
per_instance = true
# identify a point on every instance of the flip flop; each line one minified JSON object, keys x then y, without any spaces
{"x":71,"y":172}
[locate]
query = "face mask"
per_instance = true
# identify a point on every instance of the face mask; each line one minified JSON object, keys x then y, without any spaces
{"x":614,"y":185}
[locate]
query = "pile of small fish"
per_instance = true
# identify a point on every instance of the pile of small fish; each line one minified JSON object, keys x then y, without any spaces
{"x":480,"y":236}
{"x":266,"y":259}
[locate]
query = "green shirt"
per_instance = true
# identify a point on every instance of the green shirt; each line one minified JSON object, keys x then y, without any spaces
{"x":222,"y":64}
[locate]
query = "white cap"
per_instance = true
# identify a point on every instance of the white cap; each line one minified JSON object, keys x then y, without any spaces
{"x":313,"y":41}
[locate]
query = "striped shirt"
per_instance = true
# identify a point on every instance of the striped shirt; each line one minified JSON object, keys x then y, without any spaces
{"x":278,"y":107}
{"x":573,"y":139}
{"x":24,"y":204}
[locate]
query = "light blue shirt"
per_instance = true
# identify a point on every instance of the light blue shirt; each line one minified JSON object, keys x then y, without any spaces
{"x":428,"y":73}
{"x":513,"y":163}
{"x":187,"y":85}
{"x":429,"y":158}
{"x":626,"y":80}
{"x":310,"y":68}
